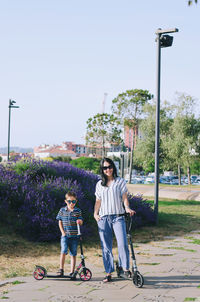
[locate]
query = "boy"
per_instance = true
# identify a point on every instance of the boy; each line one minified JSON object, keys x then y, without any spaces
{"x":68,"y":218}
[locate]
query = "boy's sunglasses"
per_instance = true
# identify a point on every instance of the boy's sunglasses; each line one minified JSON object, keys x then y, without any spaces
{"x":107,"y":167}
{"x":71,"y":201}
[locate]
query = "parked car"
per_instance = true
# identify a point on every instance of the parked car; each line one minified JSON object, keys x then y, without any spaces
{"x":197,"y":181}
{"x":193,"y":178}
{"x":165,"y":180}
{"x":149,"y":180}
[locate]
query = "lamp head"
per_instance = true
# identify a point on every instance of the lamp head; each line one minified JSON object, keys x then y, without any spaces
{"x":166,"y":41}
{"x":12,"y":102}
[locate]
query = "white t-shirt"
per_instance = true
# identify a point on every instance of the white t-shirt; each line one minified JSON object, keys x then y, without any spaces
{"x":111,"y":197}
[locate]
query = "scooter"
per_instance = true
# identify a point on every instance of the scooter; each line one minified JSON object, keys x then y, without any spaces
{"x":135,"y":276}
{"x":84,"y":273}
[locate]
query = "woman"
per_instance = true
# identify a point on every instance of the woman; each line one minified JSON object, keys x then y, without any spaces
{"x":111,"y":204}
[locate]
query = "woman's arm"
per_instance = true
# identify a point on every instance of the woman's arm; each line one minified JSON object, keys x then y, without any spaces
{"x":126,"y":205}
{"x":96,"y":209}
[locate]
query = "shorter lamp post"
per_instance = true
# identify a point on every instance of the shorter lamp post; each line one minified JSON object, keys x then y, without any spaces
{"x":11,"y":105}
{"x":163,"y":41}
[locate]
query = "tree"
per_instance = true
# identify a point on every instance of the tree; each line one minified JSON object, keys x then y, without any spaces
{"x":66,"y":159}
{"x":182,"y":142}
{"x":174,"y":145}
{"x":145,"y":148}
{"x":128,"y":107}
{"x":191,"y":147}
{"x":103,"y":129}
{"x":190,"y":2}
{"x":87,"y":163}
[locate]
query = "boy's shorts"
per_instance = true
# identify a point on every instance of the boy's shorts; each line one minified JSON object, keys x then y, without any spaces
{"x":70,"y":243}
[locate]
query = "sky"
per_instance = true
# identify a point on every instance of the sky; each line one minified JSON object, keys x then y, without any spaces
{"x":59,"y":57}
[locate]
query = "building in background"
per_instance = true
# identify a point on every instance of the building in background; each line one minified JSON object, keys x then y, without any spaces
{"x":44,"y":151}
{"x":131,"y":134}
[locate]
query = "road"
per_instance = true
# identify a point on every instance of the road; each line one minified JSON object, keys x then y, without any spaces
{"x":174,"y":192}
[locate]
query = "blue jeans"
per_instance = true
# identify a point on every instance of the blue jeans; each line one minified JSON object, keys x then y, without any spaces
{"x":71,"y":243}
{"x":106,"y":225}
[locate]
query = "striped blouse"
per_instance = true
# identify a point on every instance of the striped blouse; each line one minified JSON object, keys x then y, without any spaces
{"x":68,"y":219}
{"x":111,"y":197}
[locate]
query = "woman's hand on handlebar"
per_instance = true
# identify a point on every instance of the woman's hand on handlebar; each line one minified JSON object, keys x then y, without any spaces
{"x":130,"y":211}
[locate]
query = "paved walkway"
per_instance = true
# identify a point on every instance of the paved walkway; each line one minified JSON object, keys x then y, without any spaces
{"x":174,"y":192}
{"x":171,"y":270}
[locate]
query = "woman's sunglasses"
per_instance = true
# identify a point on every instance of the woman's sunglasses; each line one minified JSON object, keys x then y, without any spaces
{"x":71,"y":201}
{"x":107,"y":167}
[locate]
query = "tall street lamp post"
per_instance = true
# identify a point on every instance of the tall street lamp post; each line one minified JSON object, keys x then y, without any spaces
{"x":162,"y":40}
{"x":11,"y":105}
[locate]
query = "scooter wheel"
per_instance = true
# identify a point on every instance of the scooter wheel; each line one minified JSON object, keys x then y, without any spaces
{"x":138,"y":279}
{"x":38,"y":273}
{"x":85,"y":274}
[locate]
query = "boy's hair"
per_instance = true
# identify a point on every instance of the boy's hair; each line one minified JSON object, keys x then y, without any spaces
{"x":71,"y":194}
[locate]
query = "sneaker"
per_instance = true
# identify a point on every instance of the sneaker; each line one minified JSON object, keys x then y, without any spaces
{"x":72,"y":276}
{"x":60,"y":272}
{"x":125,"y":274}
{"x":108,"y":278}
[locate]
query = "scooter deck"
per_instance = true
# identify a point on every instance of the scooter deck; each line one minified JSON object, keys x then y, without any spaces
{"x":60,"y":277}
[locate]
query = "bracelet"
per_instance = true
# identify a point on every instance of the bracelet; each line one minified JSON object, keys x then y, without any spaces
{"x":127,"y":207}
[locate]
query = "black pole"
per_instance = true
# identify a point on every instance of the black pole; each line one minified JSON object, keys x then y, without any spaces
{"x":122,"y":165}
{"x":165,"y":43}
{"x":157,"y":132}
{"x":11,"y":105}
{"x":9,"y":128}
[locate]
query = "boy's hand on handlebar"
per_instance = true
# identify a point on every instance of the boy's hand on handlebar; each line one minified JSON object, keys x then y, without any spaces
{"x":79,"y":221}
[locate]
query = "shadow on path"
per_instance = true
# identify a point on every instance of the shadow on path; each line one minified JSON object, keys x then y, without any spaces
{"x":172,"y":281}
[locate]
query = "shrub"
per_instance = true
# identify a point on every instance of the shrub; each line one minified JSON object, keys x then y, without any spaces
{"x":31,"y":194}
{"x":66,"y":159}
{"x":87,"y":163}
{"x":144,"y":212}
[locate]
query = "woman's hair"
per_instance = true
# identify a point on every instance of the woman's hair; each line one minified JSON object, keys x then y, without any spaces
{"x":103,"y":176}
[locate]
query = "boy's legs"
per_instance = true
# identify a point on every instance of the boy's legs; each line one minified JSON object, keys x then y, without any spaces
{"x":73,"y":264}
{"x":73,"y":243}
{"x":64,"y":249}
{"x":62,"y":261}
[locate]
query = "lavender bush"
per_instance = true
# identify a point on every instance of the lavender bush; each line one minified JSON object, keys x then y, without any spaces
{"x":32,"y":192}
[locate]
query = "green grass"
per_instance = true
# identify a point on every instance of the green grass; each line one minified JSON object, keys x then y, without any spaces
{"x":17,"y":282}
{"x":195,"y":241}
{"x":175,"y":218}
{"x":173,"y":187}
{"x":151,"y":263}
{"x":181,"y":249}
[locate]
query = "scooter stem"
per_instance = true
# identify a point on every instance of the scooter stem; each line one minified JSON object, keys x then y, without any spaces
{"x":79,"y":231}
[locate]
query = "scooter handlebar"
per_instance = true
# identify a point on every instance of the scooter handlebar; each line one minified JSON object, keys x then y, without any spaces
{"x":79,"y":230}
{"x":128,"y":222}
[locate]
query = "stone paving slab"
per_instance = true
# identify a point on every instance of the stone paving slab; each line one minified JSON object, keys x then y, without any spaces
{"x":171,"y":270}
